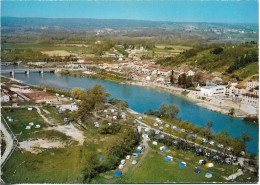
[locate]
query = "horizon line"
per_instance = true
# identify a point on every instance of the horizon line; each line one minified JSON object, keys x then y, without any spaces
{"x":176,"y":21}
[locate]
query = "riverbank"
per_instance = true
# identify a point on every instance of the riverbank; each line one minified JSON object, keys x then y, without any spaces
{"x":217,"y":105}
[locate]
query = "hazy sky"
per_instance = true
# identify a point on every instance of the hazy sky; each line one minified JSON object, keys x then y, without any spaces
{"x":185,"y":10}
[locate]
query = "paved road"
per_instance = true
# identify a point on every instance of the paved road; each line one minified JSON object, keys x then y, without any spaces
{"x":9,"y":143}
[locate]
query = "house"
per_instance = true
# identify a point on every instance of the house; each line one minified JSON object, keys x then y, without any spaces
{"x":218,"y":90}
{"x":208,"y":79}
{"x":251,"y":99}
{"x":5,"y":97}
{"x":165,"y":73}
{"x":252,"y":84}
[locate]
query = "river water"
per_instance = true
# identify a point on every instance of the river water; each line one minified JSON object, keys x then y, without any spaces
{"x":142,"y":99}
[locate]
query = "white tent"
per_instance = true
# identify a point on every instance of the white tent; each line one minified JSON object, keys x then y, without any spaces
{"x":31,"y":124}
{"x":121,"y":166}
{"x":134,"y":162}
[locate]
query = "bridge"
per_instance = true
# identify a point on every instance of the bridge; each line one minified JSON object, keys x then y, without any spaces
{"x":28,"y":71}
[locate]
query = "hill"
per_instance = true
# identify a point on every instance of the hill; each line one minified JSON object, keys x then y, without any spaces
{"x":239,"y":61}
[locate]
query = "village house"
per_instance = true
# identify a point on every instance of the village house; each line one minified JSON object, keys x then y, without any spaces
{"x":208,"y":79}
{"x":165,"y":73}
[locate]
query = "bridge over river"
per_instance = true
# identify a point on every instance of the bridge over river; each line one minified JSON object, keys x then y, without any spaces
{"x":28,"y":71}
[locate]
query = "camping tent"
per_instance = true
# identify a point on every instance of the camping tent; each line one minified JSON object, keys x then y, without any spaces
{"x":168,"y":158}
{"x":138,"y":151}
{"x":198,"y":171}
{"x":101,"y":158}
{"x":202,"y":162}
{"x":208,"y":175}
{"x":209,"y":165}
{"x":182,"y":164}
{"x":163,"y":148}
{"x":118,"y":173}
{"x":135,"y":154}
{"x":134,"y":162}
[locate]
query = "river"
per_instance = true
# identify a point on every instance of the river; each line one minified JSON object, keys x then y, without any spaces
{"x":142,"y":99}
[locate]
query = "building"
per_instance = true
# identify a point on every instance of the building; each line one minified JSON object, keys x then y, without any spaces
{"x":250,"y":99}
{"x":208,"y":79}
{"x":5,"y":97}
{"x":252,"y":84}
{"x":165,"y":73}
{"x":218,"y":90}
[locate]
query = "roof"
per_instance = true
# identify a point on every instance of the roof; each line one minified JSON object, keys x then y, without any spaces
{"x":38,"y":95}
{"x":228,"y":86}
{"x":240,"y":86}
{"x":214,"y":86}
{"x":164,"y":70}
{"x":250,"y":95}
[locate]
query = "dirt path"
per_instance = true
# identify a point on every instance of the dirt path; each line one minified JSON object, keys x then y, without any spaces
{"x":43,"y":117}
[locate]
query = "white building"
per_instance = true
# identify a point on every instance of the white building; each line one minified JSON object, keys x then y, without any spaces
{"x":218,"y":90}
{"x":164,"y":72}
{"x":252,"y":84}
{"x":5,"y":97}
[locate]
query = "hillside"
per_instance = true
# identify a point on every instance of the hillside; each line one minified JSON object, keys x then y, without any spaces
{"x":239,"y":61}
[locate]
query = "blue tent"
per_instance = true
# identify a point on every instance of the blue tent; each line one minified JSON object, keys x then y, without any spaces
{"x":198,"y":171}
{"x":168,"y":159}
{"x":164,"y":149}
{"x":183,"y":165}
{"x":138,"y":151}
{"x":101,"y":158}
{"x":118,"y":173}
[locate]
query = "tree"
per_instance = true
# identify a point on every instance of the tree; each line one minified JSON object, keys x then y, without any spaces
{"x":91,"y":100}
{"x":169,"y":111}
{"x":246,"y":138}
{"x":78,"y":93}
{"x":91,"y":164}
{"x":231,"y":112}
{"x":172,"y":79}
{"x":209,"y":124}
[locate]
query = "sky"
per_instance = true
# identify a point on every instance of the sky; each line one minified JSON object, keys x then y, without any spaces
{"x":243,"y":11}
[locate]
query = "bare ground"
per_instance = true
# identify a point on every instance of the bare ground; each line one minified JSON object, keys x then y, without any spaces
{"x":70,"y":130}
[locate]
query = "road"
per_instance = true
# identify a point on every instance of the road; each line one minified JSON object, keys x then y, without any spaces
{"x":9,"y":143}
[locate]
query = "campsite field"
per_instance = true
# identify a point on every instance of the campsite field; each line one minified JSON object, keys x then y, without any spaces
{"x":22,"y":117}
{"x":154,"y":169}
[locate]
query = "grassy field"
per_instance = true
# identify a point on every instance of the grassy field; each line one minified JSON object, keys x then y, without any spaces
{"x":62,"y":165}
{"x":22,"y":118}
